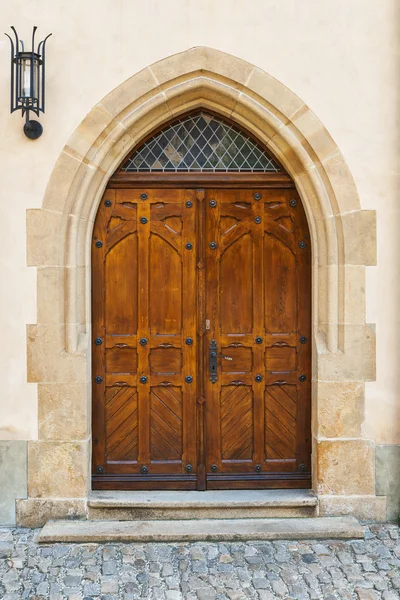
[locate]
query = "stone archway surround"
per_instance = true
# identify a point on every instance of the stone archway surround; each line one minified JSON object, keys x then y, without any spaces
{"x":59,"y":241}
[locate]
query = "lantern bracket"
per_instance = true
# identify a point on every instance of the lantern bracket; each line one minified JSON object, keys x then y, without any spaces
{"x":28,"y":81}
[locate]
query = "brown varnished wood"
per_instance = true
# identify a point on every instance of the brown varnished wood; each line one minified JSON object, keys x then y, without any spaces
{"x":201,"y":330}
{"x":258,"y":286}
{"x":201,"y":180}
{"x":147,"y":284}
{"x":144,"y":310}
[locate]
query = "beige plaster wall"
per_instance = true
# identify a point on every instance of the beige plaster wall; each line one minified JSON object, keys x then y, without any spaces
{"x":340,"y":58}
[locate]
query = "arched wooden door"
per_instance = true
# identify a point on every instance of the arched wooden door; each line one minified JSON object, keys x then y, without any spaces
{"x":201,"y":283}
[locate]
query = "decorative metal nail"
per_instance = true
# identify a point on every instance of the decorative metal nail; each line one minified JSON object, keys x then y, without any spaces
{"x":213,"y":245}
{"x":213,"y":203}
{"x":259,"y":340}
{"x":302,"y":244}
{"x":143,"y":379}
{"x":258,"y":378}
{"x":98,"y":341}
{"x":100,"y":470}
{"x":189,"y":379}
{"x":143,"y":341}
{"x":293,"y":203}
{"x":189,"y":341}
{"x":302,"y":467}
{"x":99,"y":244}
{"x":189,"y":468}
{"x":143,"y":220}
{"x":257,"y":196}
{"x":257,"y":220}
{"x":258,"y":468}
{"x":98,"y":379}
{"x":302,"y":377}
{"x":189,"y":204}
{"x":144,"y":470}
{"x":189,"y":246}
{"x":108,"y":203}
{"x":303,"y":340}
{"x":214,"y":468}
{"x":143,"y":196}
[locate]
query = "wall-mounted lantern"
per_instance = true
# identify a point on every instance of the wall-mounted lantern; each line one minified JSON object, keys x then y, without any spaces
{"x":27,"y":81}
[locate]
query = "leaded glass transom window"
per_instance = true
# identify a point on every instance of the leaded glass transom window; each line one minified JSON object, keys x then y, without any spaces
{"x":200,"y":142}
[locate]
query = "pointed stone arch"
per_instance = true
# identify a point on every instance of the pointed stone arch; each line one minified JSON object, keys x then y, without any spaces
{"x":59,"y":235}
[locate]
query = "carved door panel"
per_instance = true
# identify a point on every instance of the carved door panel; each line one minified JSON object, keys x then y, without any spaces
{"x":144,"y":340}
{"x":257,"y":252}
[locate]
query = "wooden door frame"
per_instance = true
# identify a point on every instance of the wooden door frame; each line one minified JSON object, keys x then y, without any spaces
{"x":200,"y":180}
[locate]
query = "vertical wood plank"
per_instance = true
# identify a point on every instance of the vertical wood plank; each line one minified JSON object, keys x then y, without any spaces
{"x":143,"y":331}
{"x":201,"y":330}
{"x":303,"y":330}
{"x":212,"y":260}
{"x":257,"y":233}
{"x":189,"y":330}
{"x":98,"y":328}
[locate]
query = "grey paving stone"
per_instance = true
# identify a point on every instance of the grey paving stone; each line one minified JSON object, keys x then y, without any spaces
{"x":327,"y":570}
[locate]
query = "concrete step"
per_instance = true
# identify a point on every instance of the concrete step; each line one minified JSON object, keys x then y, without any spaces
{"x":221,"y":504}
{"x":201,"y":530}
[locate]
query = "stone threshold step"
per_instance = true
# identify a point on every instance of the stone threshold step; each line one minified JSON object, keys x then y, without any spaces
{"x":201,"y":530}
{"x":209,"y":499}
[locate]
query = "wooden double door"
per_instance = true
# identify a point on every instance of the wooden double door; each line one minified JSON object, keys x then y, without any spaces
{"x":201,"y":339}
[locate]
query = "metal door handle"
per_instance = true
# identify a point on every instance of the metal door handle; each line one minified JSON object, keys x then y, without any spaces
{"x":213,"y":361}
{"x":215,"y":355}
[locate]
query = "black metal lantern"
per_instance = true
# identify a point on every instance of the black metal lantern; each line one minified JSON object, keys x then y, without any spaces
{"x":27,"y":81}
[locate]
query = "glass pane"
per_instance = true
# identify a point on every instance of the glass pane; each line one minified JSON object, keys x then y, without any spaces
{"x":200,"y":142}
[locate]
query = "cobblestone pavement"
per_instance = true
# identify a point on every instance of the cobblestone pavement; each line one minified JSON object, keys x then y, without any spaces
{"x":363,"y":570}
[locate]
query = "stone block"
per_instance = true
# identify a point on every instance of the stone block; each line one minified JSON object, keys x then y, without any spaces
{"x":58,"y":469}
{"x":35,"y":512}
{"x":67,"y":173}
{"x":255,"y":119}
{"x":13,"y":476}
{"x":367,"y":508}
{"x":345,"y":197}
{"x":202,"y":91}
{"x":352,"y":294}
{"x":387,"y":464}
{"x":64,"y":411}
{"x":276,"y":94}
{"x":359,"y":231}
{"x":91,"y":132}
{"x":346,"y":467}
{"x":358,"y":360}
{"x":50,"y":283}
{"x":48,"y":362}
{"x":340,"y":409}
{"x":129,"y":91}
{"x":201,"y":59}
{"x":314,"y":134}
{"x":43,"y":237}
{"x":201,"y":530}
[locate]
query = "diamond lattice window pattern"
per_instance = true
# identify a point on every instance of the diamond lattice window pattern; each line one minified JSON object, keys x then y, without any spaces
{"x":200,"y":142}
